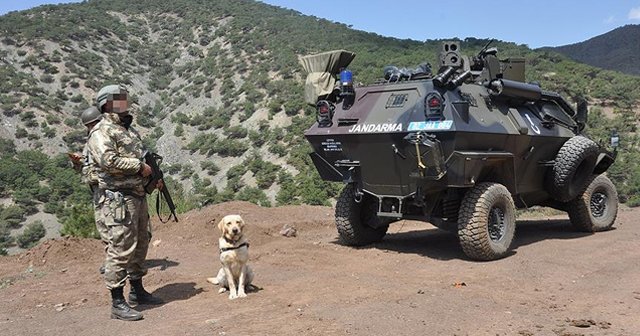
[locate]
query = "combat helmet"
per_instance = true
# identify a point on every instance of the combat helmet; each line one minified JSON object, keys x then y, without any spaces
{"x":91,"y":114}
{"x":106,"y":93}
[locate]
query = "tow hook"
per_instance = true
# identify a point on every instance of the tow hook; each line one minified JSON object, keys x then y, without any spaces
{"x":358,"y":196}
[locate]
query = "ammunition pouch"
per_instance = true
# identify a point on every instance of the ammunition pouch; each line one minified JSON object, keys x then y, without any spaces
{"x":117,"y":205}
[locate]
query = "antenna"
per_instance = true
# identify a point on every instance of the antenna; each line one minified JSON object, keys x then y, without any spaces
{"x":484,"y":49}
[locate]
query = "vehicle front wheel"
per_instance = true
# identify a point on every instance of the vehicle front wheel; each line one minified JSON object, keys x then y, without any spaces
{"x":357,"y":222}
{"x":596,"y":208}
{"x":486,"y":221}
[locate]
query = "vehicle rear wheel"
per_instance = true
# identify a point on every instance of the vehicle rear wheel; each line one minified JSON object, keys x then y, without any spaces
{"x":596,"y":209}
{"x":573,"y":168}
{"x":486,"y":221}
{"x":357,"y":222}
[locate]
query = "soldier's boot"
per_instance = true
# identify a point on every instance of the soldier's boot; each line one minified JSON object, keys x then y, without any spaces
{"x":120,"y":309}
{"x":139,"y":295}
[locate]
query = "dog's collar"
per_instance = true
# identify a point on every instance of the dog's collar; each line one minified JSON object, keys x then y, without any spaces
{"x":225,"y":249}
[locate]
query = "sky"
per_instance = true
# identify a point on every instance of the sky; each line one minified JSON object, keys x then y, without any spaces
{"x":536,"y":23}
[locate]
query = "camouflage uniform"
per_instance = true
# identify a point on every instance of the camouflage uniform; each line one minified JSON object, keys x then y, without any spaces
{"x":118,"y":151}
{"x":89,"y":174}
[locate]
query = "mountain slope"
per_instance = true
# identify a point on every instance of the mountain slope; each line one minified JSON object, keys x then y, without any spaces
{"x":217,"y":90}
{"x":616,"y":50}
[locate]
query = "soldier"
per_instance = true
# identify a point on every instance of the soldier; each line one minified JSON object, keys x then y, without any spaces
{"x":118,"y":149}
{"x":89,"y":170}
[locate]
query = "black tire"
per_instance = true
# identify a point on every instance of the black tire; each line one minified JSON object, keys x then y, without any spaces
{"x":573,"y":168}
{"x":357,"y":223}
{"x":487,"y":221}
{"x":597,"y":208}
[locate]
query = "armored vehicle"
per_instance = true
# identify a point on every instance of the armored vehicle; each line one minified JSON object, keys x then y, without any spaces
{"x":461,"y":148}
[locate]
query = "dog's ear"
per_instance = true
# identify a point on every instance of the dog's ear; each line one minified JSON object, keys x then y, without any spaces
{"x":221,"y":225}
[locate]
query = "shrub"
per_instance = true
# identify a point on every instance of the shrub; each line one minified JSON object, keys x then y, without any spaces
{"x":278,"y":149}
{"x":47,"y":79}
{"x":21,"y":133}
{"x":254,"y":195}
{"x":78,"y":99}
{"x":5,"y":238}
{"x":31,"y":235}
{"x":179,"y":131}
{"x":187,"y":172}
{"x":79,"y":221}
{"x":210,"y":167}
{"x":236,"y":132}
{"x":230,"y":147}
{"x":258,"y":138}
{"x":52,"y":119}
{"x":49,"y":132}
{"x":75,"y":139}
{"x":173,"y":169}
{"x":72,"y":122}
{"x":52,"y":207}
{"x":7,"y":147}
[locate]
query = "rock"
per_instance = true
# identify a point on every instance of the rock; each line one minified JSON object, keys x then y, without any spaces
{"x":288,"y":231}
{"x":582,"y":323}
{"x":60,"y":306}
{"x":211,"y":321}
{"x":156,"y":243}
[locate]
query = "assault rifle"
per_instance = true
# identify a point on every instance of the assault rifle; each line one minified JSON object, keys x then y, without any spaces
{"x":154,"y":160}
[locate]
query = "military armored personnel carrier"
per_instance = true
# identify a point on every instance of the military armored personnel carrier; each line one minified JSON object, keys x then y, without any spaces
{"x":462,"y":148}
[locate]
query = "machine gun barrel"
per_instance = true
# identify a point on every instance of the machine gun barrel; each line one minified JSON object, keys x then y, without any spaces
{"x":153,"y":160}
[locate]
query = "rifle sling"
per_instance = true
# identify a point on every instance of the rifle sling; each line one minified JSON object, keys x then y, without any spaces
{"x":158,"y":196}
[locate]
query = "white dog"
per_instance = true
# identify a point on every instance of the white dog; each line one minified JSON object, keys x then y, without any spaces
{"x":235,"y":275}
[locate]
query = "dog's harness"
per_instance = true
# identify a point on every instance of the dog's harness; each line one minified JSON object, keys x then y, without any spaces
{"x":225,"y":249}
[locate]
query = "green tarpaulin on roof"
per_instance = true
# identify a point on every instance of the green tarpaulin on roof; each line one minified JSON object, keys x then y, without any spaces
{"x":322,"y":70}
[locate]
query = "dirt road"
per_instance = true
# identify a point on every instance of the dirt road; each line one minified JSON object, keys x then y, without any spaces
{"x":416,"y":282}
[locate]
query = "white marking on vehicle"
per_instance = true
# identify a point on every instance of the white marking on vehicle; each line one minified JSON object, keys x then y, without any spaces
{"x":533,"y":126}
{"x":375,"y":128}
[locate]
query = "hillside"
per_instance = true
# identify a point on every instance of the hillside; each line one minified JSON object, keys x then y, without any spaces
{"x":415,"y":282}
{"x":218,"y":92}
{"x":617,"y":50}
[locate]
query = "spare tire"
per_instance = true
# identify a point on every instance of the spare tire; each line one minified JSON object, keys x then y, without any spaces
{"x":573,"y":168}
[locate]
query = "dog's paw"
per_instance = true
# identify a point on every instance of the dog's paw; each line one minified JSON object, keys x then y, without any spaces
{"x":242,"y":295}
{"x":222,"y":290}
{"x":233,"y":296}
{"x":213,"y":281}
